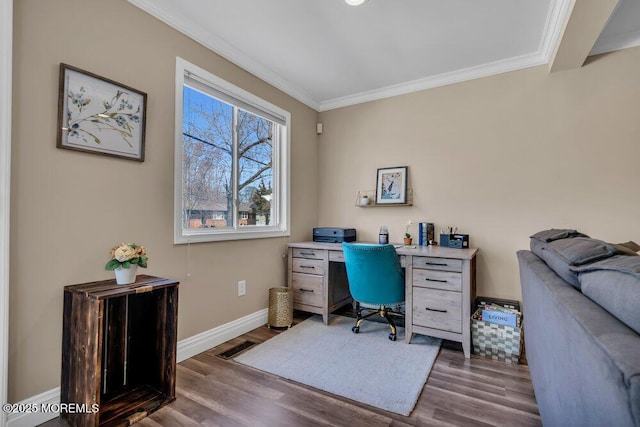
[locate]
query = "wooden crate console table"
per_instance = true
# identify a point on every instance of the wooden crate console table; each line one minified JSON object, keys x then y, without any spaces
{"x":440,"y":285}
{"x":118,"y":350}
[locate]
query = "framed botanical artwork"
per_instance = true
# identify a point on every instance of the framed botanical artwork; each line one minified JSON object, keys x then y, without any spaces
{"x":391,"y":186}
{"x":100,"y":116}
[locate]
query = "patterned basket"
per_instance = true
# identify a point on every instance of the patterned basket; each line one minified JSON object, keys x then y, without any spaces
{"x":280,"y":308}
{"x":498,"y":342}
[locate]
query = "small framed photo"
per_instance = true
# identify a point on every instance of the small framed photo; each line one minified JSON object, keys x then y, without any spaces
{"x":391,"y":186}
{"x":100,"y":116}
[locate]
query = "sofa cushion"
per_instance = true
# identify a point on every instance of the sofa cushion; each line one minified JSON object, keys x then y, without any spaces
{"x":562,"y":254}
{"x":627,"y":248}
{"x":556,"y":234}
{"x":581,"y":250}
{"x":614,"y":284}
{"x":555,"y":262}
{"x":621,"y":263}
{"x":565,"y":249}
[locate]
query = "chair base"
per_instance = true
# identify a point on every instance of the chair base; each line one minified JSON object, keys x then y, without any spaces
{"x":383,"y":312}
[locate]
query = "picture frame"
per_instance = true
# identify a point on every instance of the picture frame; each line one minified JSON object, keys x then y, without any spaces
{"x":391,"y":186}
{"x":98,"y":115}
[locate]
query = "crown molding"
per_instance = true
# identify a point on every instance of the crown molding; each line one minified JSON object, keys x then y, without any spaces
{"x":458,"y":76}
{"x":227,"y":51}
{"x":551,"y":34}
{"x":554,"y":27}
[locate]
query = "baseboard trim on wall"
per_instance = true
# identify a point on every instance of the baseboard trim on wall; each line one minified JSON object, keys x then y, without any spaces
{"x":196,"y":344}
{"x":38,"y":403}
{"x":187,"y":348}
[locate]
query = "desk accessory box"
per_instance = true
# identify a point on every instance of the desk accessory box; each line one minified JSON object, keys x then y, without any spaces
{"x":458,"y":241}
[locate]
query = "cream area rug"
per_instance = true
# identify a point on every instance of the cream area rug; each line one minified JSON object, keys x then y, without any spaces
{"x":366,"y":367}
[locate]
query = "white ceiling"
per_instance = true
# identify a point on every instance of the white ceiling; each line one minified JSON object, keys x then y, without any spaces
{"x":328,"y":54}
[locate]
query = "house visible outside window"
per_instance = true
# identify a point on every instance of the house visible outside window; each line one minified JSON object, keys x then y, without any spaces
{"x":232,"y":161}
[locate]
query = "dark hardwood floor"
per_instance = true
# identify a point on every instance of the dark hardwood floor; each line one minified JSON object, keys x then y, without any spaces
{"x":214,"y":391}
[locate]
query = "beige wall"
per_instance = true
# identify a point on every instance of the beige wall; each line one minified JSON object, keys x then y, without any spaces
{"x":499,"y":157}
{"x":69,"y":208}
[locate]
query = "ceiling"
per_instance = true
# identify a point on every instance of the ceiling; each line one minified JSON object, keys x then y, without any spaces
{"x":328,"y":54}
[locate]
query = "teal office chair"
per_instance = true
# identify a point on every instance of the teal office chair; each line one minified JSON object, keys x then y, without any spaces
{"x":375,"y":280}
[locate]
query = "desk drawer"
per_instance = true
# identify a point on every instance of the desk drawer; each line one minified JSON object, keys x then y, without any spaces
{"x":432,"y":263}
{"x":309,"y":253}
{"x":445,"y":280}
{"x":336,"y":256}
{"x":437,"y":309}
{"x":310,"y":266}
{"x":307,"y":289}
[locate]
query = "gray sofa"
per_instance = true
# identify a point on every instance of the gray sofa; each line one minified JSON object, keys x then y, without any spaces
{"x":581,"y":303}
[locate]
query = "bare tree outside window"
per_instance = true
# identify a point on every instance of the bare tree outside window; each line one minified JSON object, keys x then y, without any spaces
{"x":231,"y":174}
{"x":222,"y":143}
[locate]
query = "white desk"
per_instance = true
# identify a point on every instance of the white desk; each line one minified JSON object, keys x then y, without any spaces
{"x":440,"y":286}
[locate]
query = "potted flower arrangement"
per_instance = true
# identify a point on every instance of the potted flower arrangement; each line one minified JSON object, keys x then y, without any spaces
{"x":407,"y":236}
{"x":125,"y":259}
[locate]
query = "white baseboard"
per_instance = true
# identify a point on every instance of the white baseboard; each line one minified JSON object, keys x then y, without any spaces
{"x":187,"y":348}
{"x":196,"y":344}
{"x":38,"y":402}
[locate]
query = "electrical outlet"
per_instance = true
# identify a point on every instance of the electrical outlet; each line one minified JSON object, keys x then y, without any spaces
{"x":242,"y":287}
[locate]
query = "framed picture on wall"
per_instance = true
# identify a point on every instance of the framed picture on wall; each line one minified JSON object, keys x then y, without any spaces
{"x":100,"y":116}
{"x":391,"y":186}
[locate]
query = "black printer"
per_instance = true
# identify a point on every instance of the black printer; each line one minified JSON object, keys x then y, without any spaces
{"x":334,"y":235}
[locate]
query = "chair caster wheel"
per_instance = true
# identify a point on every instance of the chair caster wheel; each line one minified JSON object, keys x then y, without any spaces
{"x":355,"y":329}
{"x":392,"y":337}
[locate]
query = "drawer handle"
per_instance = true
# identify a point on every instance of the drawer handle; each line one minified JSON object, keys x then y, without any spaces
{"x":435,"y":309}
{"x":307,"y":266}
{"x":306,"y":290}
{"x":435,"y":280}
{"x":308,"y":253}
{"x":436,"y":263}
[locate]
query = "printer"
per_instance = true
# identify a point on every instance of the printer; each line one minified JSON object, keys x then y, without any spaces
{"x":334,"y":235}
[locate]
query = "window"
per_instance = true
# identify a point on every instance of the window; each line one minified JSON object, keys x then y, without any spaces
{"x":231,"y":161}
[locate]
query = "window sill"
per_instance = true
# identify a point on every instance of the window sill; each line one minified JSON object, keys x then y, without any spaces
{"x":208,"y":236}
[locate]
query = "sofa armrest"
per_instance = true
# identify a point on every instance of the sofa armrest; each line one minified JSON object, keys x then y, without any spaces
{"x":584,"y":363}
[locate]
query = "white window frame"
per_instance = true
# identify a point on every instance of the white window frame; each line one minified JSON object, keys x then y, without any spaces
{"x":281,"y":162}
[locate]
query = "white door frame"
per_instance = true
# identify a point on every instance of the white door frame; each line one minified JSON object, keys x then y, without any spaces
{"x":6,"y":57}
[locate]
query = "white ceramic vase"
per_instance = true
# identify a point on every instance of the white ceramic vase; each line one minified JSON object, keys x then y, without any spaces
{"x":126,"y":276}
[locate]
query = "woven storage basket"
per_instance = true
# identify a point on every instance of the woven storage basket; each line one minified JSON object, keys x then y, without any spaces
{"x":280,"y":308}
{"x":498,"y":342}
